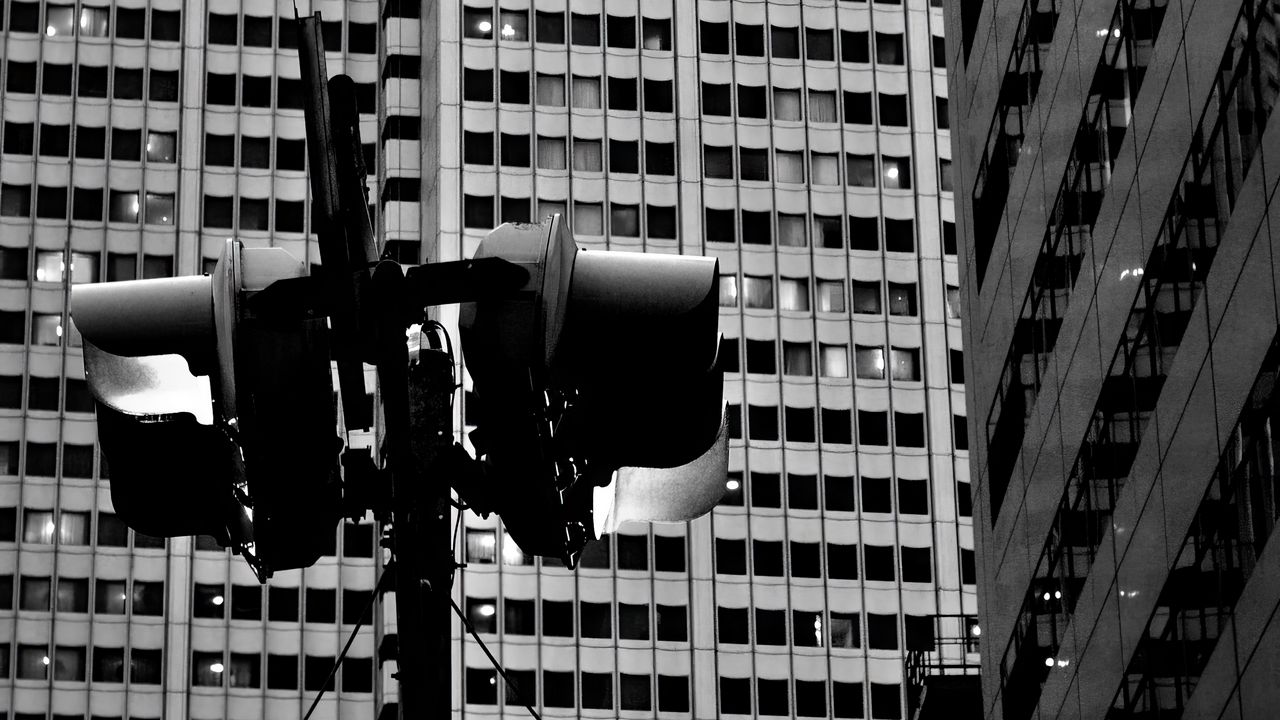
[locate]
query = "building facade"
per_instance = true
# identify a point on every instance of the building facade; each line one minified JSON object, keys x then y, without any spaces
{"x":1115,"y":164}
{"x":805,"y":145}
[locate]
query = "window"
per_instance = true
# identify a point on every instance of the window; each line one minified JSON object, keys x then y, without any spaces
{"x":51,"y":202}
{"x":633,"y":621}
{"x":772,"y":697}
{"x":860,"y":170}
{"x":902,"y":299}
{"x":513,"y":87}
{"x":33,"y":662}
{"x":557,"y":618}
{"x":586,"y":92}
{"x":766,"y":558}
{"x":889,"y":49}
{"x":515,"y":150}
{"x":716,"y":99}
{"x":124,"y":206}
{"x":54,"y":140}
{"x":159,"y":209}
{"x":37,"y":527}
{"x":757,"y":292}
{"x":844,"y":630}
{"x":588,"y":218}
{"x":753,"y":164}
{"x":477,"y":85}
{"x":622,"y":93}
{"x":68,"y":663}
{"x":717,"y":162}
{"x":282,"y":603}
{"x":771,"y":627}
{"x":825,"y":170}
{"x":585,"y":29}
{"x":806,"y":560}
{"x":797,"y":359}
{"x":91,"y":81}
{"x":879,"y":562}
{"x":793,"y":294}
{"x":245,"y":670}
{"x":551,"y":153}
{"x":752,"y":102}
{"x":656,"y":34}
{"x":833,"y":360}
{"x":830,"y":295}
{"x":854,"y":46}
{"x":620,"y":32}
{"x":19,"y":138}
{"x":477,"y":23}
{"x":899,"y":235}
{"x":714,"y":38}
{"x":819,"y":44}
{"x":482,"y":614}
{"x":728,"y":291}
{"x":549,"y":89}
{"x":477,"y":212}
{"x":905,"y":363}
{"x":761,"y":357}
{"x":660,"y":158}
{"x":35,"y":594}
{"x":319,"y":605}
{"x":514,"y":25}
{"x":549,"y":27}
{"x":785,"y":42}
{"x":941,"y":115}
{"x":873,"y":428}
{"x":869,"y":362}
{"x":165,"y":25}
{"x":882,"y":631}
{"x":15,"y":200}
{"x":595,"y":620}
{"x":897,"y":172}
{"x":786,"y":104}
{"x":22,"y":77}
{"x":731,"y":557}
{"x":893,"y":110}
{"x":597,"y":691}
{"x":842,"y":560}
{"x":673,"y":623}
{"x":790,"y":167}
{"x":163,"y":86}
{"x":866,"y":297}
{"x":735,"y":695}
{"x":839,"y":496}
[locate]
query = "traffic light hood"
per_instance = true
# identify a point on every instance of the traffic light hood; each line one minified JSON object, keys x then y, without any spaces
{"x":597,"y":388}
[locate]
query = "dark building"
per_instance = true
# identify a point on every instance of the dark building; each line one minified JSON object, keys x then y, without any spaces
{"x":1115,"y":168}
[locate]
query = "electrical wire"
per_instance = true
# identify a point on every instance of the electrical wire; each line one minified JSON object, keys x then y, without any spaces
{"x":496,"y":665}
{"x":364,"y":614}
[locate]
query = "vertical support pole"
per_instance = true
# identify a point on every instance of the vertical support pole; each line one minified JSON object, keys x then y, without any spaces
{"x":418,"y":424}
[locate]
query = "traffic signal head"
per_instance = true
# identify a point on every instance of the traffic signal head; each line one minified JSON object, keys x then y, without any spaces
{"x":599,"y":398}
{"x":211,"y":403}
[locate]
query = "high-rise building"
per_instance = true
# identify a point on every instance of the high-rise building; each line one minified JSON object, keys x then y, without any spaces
{"x":1116,"y":180}
{"x":804,"y":145}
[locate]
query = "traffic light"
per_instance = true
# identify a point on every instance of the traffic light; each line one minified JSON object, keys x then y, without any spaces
{"x":215,"y":406}
{"x":597,"y":389}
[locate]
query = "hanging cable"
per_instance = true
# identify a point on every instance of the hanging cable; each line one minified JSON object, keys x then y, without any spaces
{"x":364,"y":614}
{"x":496,"y":665}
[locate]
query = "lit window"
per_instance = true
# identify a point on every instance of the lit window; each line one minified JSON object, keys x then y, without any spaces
{"x":33,"y":662}
{"x":60,"y":21}
{"x":477,"y":23}
{"x":758,"y":292}
{"x":550,"y":90}
{"x":728,"y":291}
{"x":906,"y":363}
{"x":822,"y":107}
{"x":586,"y":92}
{"x":790,"y":166}
{"x":797,"y":358}
{"x":73,"y":528}
{"x":953,"y":302}
{"x":513,"y":25}
{"x":897,"y":172}
{"x":793,"y":294}
{"x":95,"y":22}
{"x":588,"y":155}
{"x":786,"y":104}
{"x":588,"y":218}
{"x":551,"y":153}
{"x":207,"y":669}
{"x":791,"y":230}
{"x":46,"y":329}
{"x":159,"y":209}
{"x":825,"y":169}
{"x":124,"y":206}
{"x":657,"y":34}
{"x":835,"y":360}
{"x":902,"y":299}
{"x":869,"y":362}
{"x":161,"y":147}
{"x":481,"y":546}
{"x":830,"y":296}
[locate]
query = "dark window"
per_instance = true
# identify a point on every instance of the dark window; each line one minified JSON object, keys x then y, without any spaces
{"x":873,"y":428}
{"x":51,"y":202}
{"x":754,"y":163}
{"x":219,"y":89}
{"x":515,"y":150}
{"x":918,"y":633}
{"x":879,"y":562}
{"x":660,"y":158}
{"x":633,"y":552}
{"x":477,"y":85}
{"x":968,"y":567}
{"x":669,"y":553}
{"x":557,"y":618}
{"x":964,"y":499}
{"x":802,"y":492}
{"x":876,"y":495}
{"x":549,"y":27}
{"x":893,"y":110}
{"x":772,"y":697}
{"x":585,"y":29}
{"x":766,"y":490}
{"x":22,"y":77}
{"x":477,"y":212}
{"x":837,"y":426}
{"x":658,"y":96}
{"x":57,"y":79}
{"x":762,"y":357}
{"x":885,"y":701}
{"x":19,"y":138}
{"x":282,"y":604}
{"x":806,"y":560}
{"x":13,"y":264}
{"x":731,"y":557}
{"x":771,"y":627}
{"x":624,"y":156}
{"x":799,"y":424}
{"x":673,"y":623}
{"x":854,"y":47}
{"x":889,"y":50}
{"x":633,"y":621}
{"x":24,"y":17}
{"x":864,"y":234}
{"x":165,"y":25}
{"x":913,"y":497}
{"x":960,"y":426}
{"x":819,"y":44}
{"x":940,"y":113}
{"x":917,"y":564}
{"x":361,"y":37}
{"x":882,"y":631}
{"x":622,"y":93}
{"x":899,"y":235}
{"x":785,"y":42}
{"x":481,"y":685}
{"x":757,"y":227}
{"x":163,"y":86}
{"x":620,"y":32}
{"x":597,"y":691}
{"x":908,"y":429}
{"x":673,"y":693}
{"x":255,"y":91}
{"x":762,"y":422}
{"x":514,"y":87}
{"x":319,"y":604}
{"x":716,"y":99}
{"x":842,"y":562}
{"x":752,"y":102}
{"x":735,"y":695}
{"x":714,"y":38}
{"x":766,"y":558}
{"x":839,"y":493}
{"x":939,"y":52}
{"x":557,"y":689}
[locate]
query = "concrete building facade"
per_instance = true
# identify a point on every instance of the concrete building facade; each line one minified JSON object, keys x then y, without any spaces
{"x":804,"y":144}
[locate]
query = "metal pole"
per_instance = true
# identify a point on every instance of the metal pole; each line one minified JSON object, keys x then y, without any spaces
{"x":418,"y":425}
